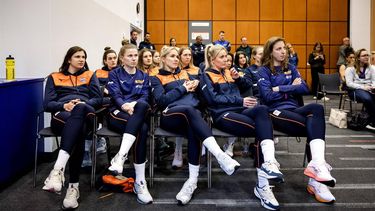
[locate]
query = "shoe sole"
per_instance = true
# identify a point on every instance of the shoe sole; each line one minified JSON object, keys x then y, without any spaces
{"x":262,"y":202}
{"x":330,"y":183}
{"x":177,"y":167}
{"x":70,"y":208}
{"x":140,"y":201}
{"x":52,"y":191}
{"x":310,"y":190}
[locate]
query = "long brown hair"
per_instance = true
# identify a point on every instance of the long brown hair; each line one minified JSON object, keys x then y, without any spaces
{"x":357,"y":63}
{"x":191,"y":64}
{"x":267,"y":58}
{"x":140,"y":59}
{"x":65,"y":65}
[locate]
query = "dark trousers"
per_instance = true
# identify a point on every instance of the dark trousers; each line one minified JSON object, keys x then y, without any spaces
{"x":135,"y":124}
{"x":367,"y":98}
{"x":254,"y":122}
{"x":74,"y":127}
{"x":187,"y":121}
{"x":304,"y":121}
{"x":315,"y":79}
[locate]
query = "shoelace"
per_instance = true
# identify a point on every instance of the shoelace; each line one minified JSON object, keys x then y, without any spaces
{"x":72,"y":193}
{"x":268,"y":193}
{"x":189,"y":189}
{"x":141,"y":188}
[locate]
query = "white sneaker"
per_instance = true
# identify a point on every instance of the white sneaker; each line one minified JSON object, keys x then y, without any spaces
{"x":101,"y":146}
{"x":226,"y":163}
{"x":276,"y":140}
{"x":320,"y":191}
{"x":177,"y":159}
{"x":270,"y":170}
{"x":370,"y":126}
{"x":228,"y":149}
{"x":267,"y":199}
{"x":314,"y":97}
{"x":71,"y":198}
{"x":321,"y":173}
{"x":54,"y":182}
{"x":143,"y":195}
{"x":325,"y":98}
{"x":183,"y":197}
{"x":117,"y":163}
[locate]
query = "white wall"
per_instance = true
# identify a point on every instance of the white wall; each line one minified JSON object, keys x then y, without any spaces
{"x":39,"y":32}
{"x":360,"y":17}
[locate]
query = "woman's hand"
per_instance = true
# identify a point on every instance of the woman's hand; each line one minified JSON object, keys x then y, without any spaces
{"x":249,"y":102}
{"x":297,"y":81}
{"x":70,"y":105}
{"x":129,"y":107}
{"x":234,"y":73}
{"x":190,"y":85}
{"x":276,"y":89}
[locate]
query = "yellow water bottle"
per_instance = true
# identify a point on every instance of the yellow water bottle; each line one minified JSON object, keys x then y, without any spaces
{"x":9,"y":66}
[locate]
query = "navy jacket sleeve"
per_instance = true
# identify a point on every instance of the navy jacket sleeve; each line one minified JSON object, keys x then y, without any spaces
{"x":244,"y":83}
{"x":162,"y":98}
{"x":96,"y":98}
{"x":50,"y":102}
{"x":267,"y":95}
{"x":294,"y":89}
{"x":114,"y":89}
{"x":213,"y":98}
{"x":145,"y":93}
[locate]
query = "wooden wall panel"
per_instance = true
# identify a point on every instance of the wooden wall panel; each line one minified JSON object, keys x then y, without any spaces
{"x":295,"y":32}
{"x":271,"y":10}
{"x":334,"y":55}
{"x":249,"y":29}
{"x":156,"y":28}
{"x":338,"y":31}
{"x":178,"y":30}
{"x":270,"y":29}
{"x":372,"y":22}
{"x":195,"y":9}
{"x":302,"y":71}
{"x":176,"y":10}
{"x":229,"y":27}
{"x":318,"y":32}
{"x":294,"y":10}
{"x":339,"y":10}
{"x":155,"y":10}
{"x":247,"y":10}
{"x":301,"y":52}
{"x":158,"y":47}
{"x":224,"y":10}
{"x":318,"y":10}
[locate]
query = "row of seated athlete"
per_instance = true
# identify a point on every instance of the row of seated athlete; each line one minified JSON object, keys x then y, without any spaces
{"x":73,"y":94}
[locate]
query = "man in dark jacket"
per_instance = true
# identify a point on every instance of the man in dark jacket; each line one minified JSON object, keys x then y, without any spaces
{"x":146,"y":43}
{"x":197,"y":49}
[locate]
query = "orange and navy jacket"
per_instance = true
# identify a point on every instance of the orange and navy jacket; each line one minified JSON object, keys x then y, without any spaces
{"x":287,"y":96}
{"x":125,"y":88}
{"x":152,"y":71}
{"x":168,"y":89}
{"x":194,"y":72}
{"x":62,"y":87}
{"x":102,"y":75}
{"x":222,"y":92}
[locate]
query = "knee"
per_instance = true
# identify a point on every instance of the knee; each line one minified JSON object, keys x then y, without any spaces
{"x":261,"y":110}
{"x":316,"y":109}
{"x":141,"y":105}
{"x":83,"y":108}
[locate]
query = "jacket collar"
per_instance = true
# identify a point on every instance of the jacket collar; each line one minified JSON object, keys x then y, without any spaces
{"x":165,"y":72}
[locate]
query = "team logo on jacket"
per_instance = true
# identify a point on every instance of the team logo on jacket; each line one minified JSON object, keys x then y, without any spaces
{"x":83,"y":80}
{"x":139,"y":81}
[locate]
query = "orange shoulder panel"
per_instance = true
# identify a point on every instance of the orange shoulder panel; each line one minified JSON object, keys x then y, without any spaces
{"x":60,"y":79}
{"x":101,"y":73}
{"x":193,"y":70}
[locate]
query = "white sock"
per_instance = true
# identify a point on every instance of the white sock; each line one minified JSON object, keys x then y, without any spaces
{"x":268,"y":150}
{"x":193,"y":172}
{"x":262,"y":181}
{"x":317,"y":147}
{"x":62,"y":159}
{"x":179,"y":143}
{"x":126,"y":143}
{"x":74,"y":185}
{"x":231,"y":140}
{"x":203,"y":150}
{"x":88,"y":144}
{"x":140,"y":172}
{"x":212,"y":146}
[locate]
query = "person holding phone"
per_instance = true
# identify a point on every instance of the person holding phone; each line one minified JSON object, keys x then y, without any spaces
{"x":240,"y":116}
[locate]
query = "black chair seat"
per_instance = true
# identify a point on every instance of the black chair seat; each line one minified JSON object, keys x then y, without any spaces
{"x":161,"y":132}
{"x":46,"y":132}
{"x":105,"y":132}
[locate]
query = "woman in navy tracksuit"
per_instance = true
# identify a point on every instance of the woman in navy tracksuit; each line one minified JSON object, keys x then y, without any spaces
{"x":237,"y":115}
{"x":71,"y":96}
{"x":280,"y":85}
{"x":186,"y":63}
{"x":174,"y":93}
{"x":129,"y":89}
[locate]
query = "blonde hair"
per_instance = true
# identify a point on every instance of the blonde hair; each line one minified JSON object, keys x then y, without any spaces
{"x":211,"y":52}
{"x":191,"y":64}
{"x":267,"y":58}
{"x":165,"y":50}
{"x":123,"y":50}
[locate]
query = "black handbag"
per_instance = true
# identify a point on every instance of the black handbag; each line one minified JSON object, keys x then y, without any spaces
{"x":358,"y":120}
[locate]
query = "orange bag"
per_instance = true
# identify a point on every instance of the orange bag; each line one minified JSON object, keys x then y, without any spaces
{"x":126,"y":183}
